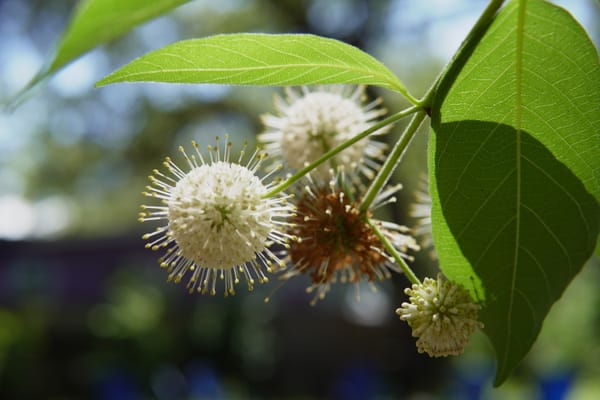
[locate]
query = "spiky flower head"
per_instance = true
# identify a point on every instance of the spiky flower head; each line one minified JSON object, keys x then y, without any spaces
{"x":311,"y":122}
{"x":219,"y":224}
{"x":420,"y":210}
{"x":335,"y":240}
{"x":442,"y":316}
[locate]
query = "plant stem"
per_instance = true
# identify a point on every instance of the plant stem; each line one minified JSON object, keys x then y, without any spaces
{"x":399,"y":260}
{"x":391,"y":162}
{"x":298,"y":175}
{"x":410,"y":97}
{"x":463,"y":52}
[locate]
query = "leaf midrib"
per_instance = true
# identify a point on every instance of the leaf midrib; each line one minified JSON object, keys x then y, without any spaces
{"x":517,"y":126}
{"x":123,"y":76}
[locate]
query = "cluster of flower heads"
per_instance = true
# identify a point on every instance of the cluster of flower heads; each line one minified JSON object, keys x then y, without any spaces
{"x":224,"y":222}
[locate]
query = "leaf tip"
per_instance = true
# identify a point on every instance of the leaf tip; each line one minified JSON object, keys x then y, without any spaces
{"x":107,"y":80}
{"x":501,"y":376}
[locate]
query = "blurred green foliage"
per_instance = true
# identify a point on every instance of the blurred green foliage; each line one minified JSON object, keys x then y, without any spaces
{"x":93,"y":148}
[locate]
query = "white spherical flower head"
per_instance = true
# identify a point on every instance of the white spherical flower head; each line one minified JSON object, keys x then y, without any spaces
{"x":310,"y":123}
{"x":217,"y":215}
{"x":442,"y":315}
{"x":220,"y":223}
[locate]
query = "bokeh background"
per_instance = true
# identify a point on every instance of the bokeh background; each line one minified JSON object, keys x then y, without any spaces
{"x":85,"y":312}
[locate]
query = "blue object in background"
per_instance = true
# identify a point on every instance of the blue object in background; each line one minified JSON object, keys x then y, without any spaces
{"x":355,"y":382}
{"x":556,"y":386}
{"x":471,"y":382}
{"x":203,"y":381}
{"x":117,"y":384}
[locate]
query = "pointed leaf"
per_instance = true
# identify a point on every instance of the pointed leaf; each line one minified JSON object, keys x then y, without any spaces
{"x":97,"y":21}
{"x":258,"y":59}
{"x":514,"y":170}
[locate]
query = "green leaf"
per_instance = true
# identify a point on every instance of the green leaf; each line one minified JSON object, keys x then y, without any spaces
{"x":515,"y":170}
{"x":98,"y":21}
{"x":259,"y":59}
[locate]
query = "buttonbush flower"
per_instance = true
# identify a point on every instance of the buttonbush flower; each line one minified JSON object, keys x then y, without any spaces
{"x":442,"y":315}
{"x":311,"y":122}
{"x":218,"y":224}
{"x":336,"y":243}
{"x":421,"y":212}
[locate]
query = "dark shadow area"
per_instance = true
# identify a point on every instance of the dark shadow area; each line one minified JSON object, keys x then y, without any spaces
{"x":501,"y":209}
{"x":95,"y":319}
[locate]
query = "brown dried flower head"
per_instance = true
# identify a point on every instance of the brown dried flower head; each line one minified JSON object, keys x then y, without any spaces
{"x":335,"y":241}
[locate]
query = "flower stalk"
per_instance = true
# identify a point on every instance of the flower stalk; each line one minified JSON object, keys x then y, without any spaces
{"x":394,"y":253}
{"x":391,"y":161}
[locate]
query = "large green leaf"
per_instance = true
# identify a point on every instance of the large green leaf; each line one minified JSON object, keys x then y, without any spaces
{"x":514,"y":170}
{"x":258,"y":59}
